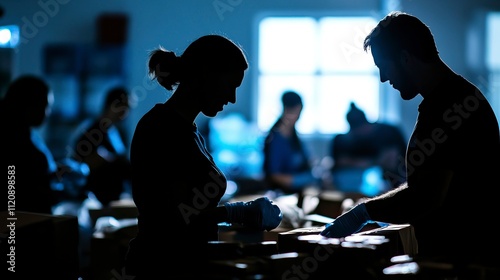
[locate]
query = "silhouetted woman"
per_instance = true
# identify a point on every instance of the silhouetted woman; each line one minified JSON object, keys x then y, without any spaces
{"x":176,"y":185}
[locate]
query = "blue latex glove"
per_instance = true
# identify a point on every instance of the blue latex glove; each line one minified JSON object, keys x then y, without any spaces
{"x":348,"y":223}
{"x":260,"y":214}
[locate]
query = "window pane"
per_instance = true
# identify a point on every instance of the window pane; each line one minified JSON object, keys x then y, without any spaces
{"x":493,"y":60}
{"x":493,"y":41}
{"x":287,"y":45}
{"x":324,"y":61}
{"x":341,"y":43}
{"x":336,"y":92}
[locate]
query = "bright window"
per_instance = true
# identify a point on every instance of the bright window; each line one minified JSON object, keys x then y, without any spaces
{"x":321,"y":58}
{"x":493,"y":60}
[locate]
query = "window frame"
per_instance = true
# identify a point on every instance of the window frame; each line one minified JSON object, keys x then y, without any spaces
{"x":388,"y":108}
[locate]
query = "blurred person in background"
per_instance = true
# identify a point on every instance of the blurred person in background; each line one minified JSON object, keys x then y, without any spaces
{"x":101,"y":144}
{"x":368,"y":146}
{"x":287,"y":167}
{"x":36,"y":181}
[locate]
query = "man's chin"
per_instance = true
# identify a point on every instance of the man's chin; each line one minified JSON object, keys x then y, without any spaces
{"x":406,"y":95}
{"x":210,"y":114}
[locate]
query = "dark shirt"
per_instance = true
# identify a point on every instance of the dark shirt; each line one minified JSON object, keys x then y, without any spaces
{"x":174,"y":178}
{"x":456,"y":129}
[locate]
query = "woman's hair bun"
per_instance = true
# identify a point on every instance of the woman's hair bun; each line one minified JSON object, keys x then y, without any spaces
{"x":164,"y":66}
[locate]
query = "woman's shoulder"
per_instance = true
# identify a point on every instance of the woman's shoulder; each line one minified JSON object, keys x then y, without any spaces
{"x":158,"y":114}
{"x":162,"y":122}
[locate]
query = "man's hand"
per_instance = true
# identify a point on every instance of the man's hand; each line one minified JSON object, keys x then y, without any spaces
{"x":348,"y":223}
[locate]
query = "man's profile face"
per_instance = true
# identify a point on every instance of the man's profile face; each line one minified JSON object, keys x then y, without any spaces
{"x":392,"y":70}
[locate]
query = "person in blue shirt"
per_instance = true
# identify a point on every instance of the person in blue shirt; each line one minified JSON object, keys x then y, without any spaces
{"x":287,"y":166}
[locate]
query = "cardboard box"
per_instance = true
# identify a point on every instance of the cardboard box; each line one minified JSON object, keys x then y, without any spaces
{"x":353,"y":257}
{"x":372,"y":243}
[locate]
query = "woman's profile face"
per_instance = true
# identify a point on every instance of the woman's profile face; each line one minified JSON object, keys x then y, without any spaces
{"x":221,"y":91}
{"x":292,"y":114}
